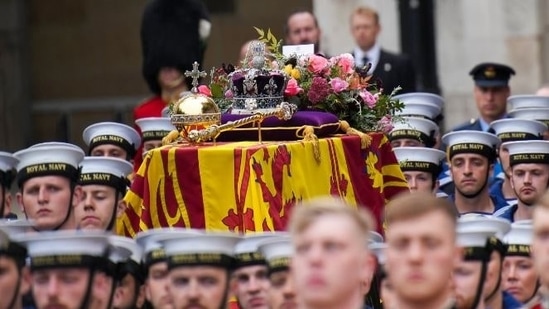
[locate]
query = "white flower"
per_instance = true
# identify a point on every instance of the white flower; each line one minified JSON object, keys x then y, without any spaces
{"x":251,"y":104}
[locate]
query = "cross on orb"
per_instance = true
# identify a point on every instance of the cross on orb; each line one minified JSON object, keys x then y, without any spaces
{"x":195,"y":74}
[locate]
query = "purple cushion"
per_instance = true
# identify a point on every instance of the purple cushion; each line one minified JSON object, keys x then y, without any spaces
{"x":274,"y":129}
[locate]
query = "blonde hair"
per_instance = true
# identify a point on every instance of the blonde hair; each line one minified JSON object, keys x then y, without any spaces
{"x":306,"y":213}
{"x":412,"y":205}
{"x":366,"y":11}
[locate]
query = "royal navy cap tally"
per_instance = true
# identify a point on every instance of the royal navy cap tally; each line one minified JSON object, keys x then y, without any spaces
{"x":378,"y":249}
{"x":420,"y":97}
{"x":112,"y":133}
{"x":153,"y":249}
{"x":422,"y":130}
{"x":278,"y":252}
{"x":107,"y":171}
{"x":528,"y":152}
{"x":510,"y":129}
{"x":527,"y":101}
{"x":214,"y":249}
{"x":47,"y":161}
{"x":72,"y":248}
{"x":539,"y":114}
{"x":475,"y":243}
{"x":424,"y":110}
{"x":419,"y":159}
{"x":246,"y":250}
{"x":469,"y":141}
{"x":519,"y":239}
{"x":490,"y":74}
{"x":154,"y":128}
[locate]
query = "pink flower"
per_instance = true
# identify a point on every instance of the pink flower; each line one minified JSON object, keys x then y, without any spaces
{"x":369,"y":99}
{"x":317,"y":64}
{"x":346,"y":62}
{"x":319,"y":90}
{"x":292,"y":88}
{"x":229,"y":94}
{"x":385,"y":124}
{"x":203,"y":89}
{"x":338,"y":84}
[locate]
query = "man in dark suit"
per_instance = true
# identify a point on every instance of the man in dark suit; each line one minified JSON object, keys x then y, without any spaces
{"x":491,"y":92}
{"x":392,"y":70}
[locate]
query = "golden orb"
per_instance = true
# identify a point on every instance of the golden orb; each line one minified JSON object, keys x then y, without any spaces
{"x":195,"y":111}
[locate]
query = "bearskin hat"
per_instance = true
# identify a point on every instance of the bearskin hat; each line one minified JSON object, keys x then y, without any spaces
{"x":173,"y":34}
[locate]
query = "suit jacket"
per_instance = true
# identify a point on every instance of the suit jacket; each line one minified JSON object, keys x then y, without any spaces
{"x":395,"y":70}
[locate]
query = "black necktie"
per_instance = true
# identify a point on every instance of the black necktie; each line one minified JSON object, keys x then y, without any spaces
{"x":365,"y":61}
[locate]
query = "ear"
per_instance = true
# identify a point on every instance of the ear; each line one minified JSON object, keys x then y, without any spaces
{"x":512,"y":182}
{"x":77,"y":196}
{"x":140,"y":297}
{"x":233,"y":285}
{"x":491,"y":170}
{"x":25,"y":286}
{"x":7,"y":203}
{"x":437,"y":185}
{"x":147,"y":290}
{"x":19,"y":198}
{"x":120,"y":208}
{"x":369,"y":266}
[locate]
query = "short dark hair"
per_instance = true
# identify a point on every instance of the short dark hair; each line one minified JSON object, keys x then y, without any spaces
{"x":298,"y":11}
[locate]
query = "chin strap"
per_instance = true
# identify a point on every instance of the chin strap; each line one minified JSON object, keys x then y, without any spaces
{"x":480,"y":285}
{"x":87,"y":297}
{"x":110,"y":226}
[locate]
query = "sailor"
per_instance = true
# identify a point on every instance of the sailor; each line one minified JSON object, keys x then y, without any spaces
{"x":199,"y":268}
{"x":129,"y":292}
{"x":7,"y":174}
{"x":413,"y":132}
{"x":529,"y":163}
{"x":104,"y":183}
{"x":47,"y":177}
{"x":519,"y":276}
{"x":65,"y":267}
{"x":421,"y":167}
{"x":509,"y":130}
{"x":278,"y":252}
{"x":471,"y":156}
{"x":111,"y":139}
{"x":153,"y":130}
{"x":540,"y":252}
{"x":250,"y":281}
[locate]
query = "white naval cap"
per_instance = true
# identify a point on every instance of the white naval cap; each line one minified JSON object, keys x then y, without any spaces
{"x":154,"y":128}
{"x":528,"y":152}
{"x":8,"y":161}
{"x":246,"y":250}
{"x":55,"y":144}
{"x":420,"y":110}
{"x":540,"y":114}
{"x":420,"y":97}
{"x":472,"y":221}
{"x":512,"y":129}
{"x":470,"y":141}
{"x":105,"y":171}
{"x":378,"y":249}
{"x":419,"y":159}
{"x":123,"y":249}
{"x":374,"y":237}
{"x":48,"y":160}
{"x":519,"y":238}
{"x":153,"y":249}
{"x":277,"y":252}
{"x":476,"y":236}
{"x":527,"y":101}
{"x":213,"y":248}
{"x":112,"y":133}
{"x":420,"y":129}
{"x":64,"y":248}
{"x":16,"y":227}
